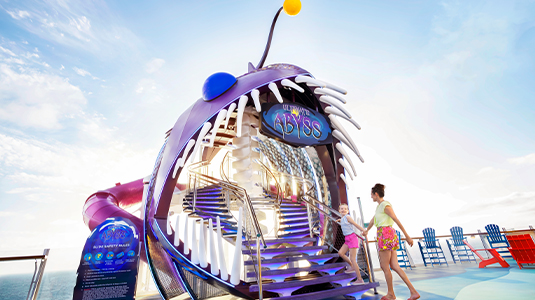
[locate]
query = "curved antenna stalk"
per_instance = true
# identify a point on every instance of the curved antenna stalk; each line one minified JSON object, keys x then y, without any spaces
{"x":268,"y":44}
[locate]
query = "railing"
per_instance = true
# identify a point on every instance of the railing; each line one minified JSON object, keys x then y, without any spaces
{"x":252,"y":229}
{"x":312,"y":205}
{"x":251,"y":222}
{"x":37,"y":273}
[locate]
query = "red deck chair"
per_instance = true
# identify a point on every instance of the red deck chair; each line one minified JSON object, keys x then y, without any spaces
{"x":496,"y":257}
{"x":522,"y":249}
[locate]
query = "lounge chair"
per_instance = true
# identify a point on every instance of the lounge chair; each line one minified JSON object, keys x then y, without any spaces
{"x":497,"y":240}
{"x":459,"y":251}
{"x":431,"y":250}
{"x":496,"y":257}
{"x":522,"y":249}
{"x":403,"y":256}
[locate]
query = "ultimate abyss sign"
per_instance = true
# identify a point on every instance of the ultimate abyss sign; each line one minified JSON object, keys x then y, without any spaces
{"x":109,"y":264}
{"x":294,"y":124}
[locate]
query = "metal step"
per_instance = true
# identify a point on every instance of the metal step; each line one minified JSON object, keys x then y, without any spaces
{"x":298,"y":242}
{"x":294,"y":228}
{"x":290,"y":272}
{"x":275,"y":263}
{"x":352,"y":291}
{"x":278,"y":286}
{"x":290,"y":251}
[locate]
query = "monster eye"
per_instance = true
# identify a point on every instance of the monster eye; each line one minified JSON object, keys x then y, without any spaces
{"x":216,"y":85}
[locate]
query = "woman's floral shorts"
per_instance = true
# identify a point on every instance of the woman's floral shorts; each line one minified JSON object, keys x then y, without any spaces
{"x":387,"y":239}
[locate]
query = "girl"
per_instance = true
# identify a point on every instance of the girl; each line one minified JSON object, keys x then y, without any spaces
{"x":387,"y":241}
{"x":352,"y":242}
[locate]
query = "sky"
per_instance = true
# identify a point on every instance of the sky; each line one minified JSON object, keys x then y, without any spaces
{"x":443,"y":91}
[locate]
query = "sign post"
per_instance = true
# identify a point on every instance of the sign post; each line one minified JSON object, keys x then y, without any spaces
{"x":109,"y":264}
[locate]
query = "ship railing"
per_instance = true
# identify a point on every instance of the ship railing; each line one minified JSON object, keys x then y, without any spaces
{"x":38,"y":272}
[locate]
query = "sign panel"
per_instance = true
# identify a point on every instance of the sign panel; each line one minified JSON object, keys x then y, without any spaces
{"x":294,"y":124}
{"x":109,"y":264}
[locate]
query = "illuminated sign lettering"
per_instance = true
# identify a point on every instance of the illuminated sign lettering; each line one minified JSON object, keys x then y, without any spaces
{"x":295,"y":124}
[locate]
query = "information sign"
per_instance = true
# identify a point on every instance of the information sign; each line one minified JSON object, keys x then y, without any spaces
{"x":109,"y":263}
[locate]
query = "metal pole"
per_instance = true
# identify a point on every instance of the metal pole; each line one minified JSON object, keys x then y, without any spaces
{"x":367,"y":249}
{"x":36,"y":280}
{"x":259,"y":267}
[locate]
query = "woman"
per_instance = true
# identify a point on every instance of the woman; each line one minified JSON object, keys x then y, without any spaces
{"x":387,"y":241}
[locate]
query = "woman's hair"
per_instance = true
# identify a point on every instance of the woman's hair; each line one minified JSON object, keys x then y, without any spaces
{"x":379,"y":189}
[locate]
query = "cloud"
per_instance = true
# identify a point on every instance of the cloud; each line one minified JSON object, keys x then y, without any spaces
{"x":52,"y":172}
{"x":65,"y":222}
{"x":21,"y":14}
{"x":154,"y":65}
{"x":7,"y":214}
{"x":81,"y":72}
{"x":7,"y":51}
{"x":523,"y":160}
{"x":86,"y":25}
{"x":30,"y":98}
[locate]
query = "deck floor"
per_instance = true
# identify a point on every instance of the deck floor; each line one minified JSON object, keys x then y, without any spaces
{"x":463,"y":282}
{"x":456,"y":281}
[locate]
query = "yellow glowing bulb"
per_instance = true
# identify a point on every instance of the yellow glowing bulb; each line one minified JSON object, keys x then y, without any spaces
{"x":292,"y":7}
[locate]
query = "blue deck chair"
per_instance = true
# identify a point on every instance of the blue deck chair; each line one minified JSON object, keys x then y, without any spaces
{"x":497,"y":240}
{"x":403,"y":256}
{"x":431,"y":250}
{"x":458,"y":249}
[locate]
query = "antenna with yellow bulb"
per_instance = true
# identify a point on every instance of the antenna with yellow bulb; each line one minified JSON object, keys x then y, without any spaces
{"x":292,"y":8}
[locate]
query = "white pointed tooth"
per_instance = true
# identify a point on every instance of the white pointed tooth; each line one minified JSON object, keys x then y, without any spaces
{"x":205,"y":128}
{"x":290,"y":84}
{"x":214,"y":264}
{"x":320,"y":91}
{"x":194,"y":244}
{"x":181,"y":160}
{"x":340,"y":136}
{"x":255,"y":94}
{"x":309,"y":81}
{"x":168,"y":227}
{"x":222,"y":261}
{"x":333,"y":110}
{"x":346,"y":167}
{"x":220,"y":116}
{"x":335,"y":88}
{"x":241,"y":107}
{"x":346,"y":157}
{"x":330,"y":100}
{"x":176,"y":240}
{"x":344,"y":179}
{"x":339,"y":126}
{"x":186,"y":237}
{"x":203,"y":262}
{"x":230,"y":110}
{"x":273,"y":87}
{"x":237,"y":263}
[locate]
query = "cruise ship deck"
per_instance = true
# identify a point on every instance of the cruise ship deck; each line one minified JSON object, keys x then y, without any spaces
{"x":463,"y":281}
{"x":456,"y":281}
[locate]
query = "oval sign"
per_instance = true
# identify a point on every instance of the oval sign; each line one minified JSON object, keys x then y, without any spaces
{"x":295,"y":124}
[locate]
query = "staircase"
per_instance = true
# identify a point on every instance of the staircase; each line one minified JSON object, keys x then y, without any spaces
{"x":293,"y":266}
{"x":210,"y":203}
{"x":292,"y":270}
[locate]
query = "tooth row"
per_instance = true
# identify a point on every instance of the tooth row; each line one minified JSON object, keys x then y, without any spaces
{"x":332,"y":95}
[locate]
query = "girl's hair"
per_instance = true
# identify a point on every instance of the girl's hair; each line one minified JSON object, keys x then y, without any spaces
{"x":379,"y":189}
{"x":343,"y":204}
